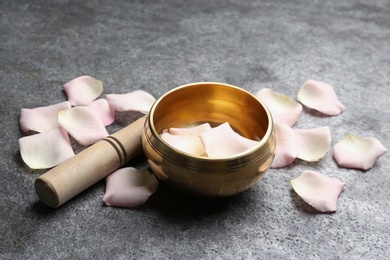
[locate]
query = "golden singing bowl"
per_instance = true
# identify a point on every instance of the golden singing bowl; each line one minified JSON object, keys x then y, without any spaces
{"x":214,"y":103}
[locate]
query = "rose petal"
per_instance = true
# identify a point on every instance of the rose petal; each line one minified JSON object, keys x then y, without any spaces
{"x":286,"y":146}
{"x":103,"y":110}
{"x":321,"y":97}
{"x":283,"y":108}
{"x":138,"y":100}
{"x":187,"y":139}
{"x":196,"y":130}
{"x":313,"y":143}
{"x":83,"y":90}
{"x":318,"y":190}
{"x":129,"y":187}
{"x":46,"y":150}
{"x":41,"y":119}
{"x":83,"y":124}
{"x":222,"y":141}
{"x":186,"y":143}
{"x":358,"y":152}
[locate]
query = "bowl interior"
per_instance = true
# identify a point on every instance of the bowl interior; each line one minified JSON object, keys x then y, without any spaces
{"x":213,"y":103}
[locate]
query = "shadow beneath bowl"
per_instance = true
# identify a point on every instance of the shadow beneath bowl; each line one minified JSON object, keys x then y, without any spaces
{"x":174,"y":205}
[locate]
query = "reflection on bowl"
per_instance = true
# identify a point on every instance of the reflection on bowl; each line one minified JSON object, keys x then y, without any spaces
{"x":214,"y":103}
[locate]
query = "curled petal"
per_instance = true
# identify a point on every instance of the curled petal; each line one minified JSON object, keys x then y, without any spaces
{"x":41,"y":119}
{"x":83,"y":90}
{"x":286,"y":146}
{"x":187,"y":139}
{"x":318,"y":190}
{"x":46,"y":150}
{"x":196,"y":130}
{"x":358,"y":152}
{"x":129,"y":187}
{"x":103,"y":110}
{"x":83,"y":124}
{"x":313,"y":143}
{"x":222,"y":141}
{"x":283,"y":108}
{"x":321,"y":97}
{"x":138,"y":100}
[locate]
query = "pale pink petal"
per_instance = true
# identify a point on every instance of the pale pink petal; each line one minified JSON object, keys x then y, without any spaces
{"x":83,"y":90}
{"x":318,"y":190}
{"x":46,"y":150}
{"x":186,"y":139}
{"x":358,"y":152}
{"x":283,"y":109}
{"x":103,"y":110}
{"x":286,"y":146}
{"x":321,"y":97}
{"x":129,"y":187}
{"x":222,"y":141}
{"x":313,"y":143}
{"x":186,"y":143}
{"x":138,"y":100}
{"x":196,"y":130}
{"x":41,"y":119}
{"x":83,"y":124}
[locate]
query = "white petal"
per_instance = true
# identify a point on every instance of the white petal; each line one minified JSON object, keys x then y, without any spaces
{"x":46,"y":150}
{"x":313,"y":143}
{"x":318,"y":190}
{"x":286,"y":146}
{"x":222,"y":141}
{"x":138,"y":100}
{"x":41,"y":119}
{"x":283,"y":108}
{"x":129,"y":187}
{"x":83,"y":90}
{"x":321,"y":97}
{"x":83,"y":124}
{"x":103,"y":110}
{"x":186,"y":143}
{"x":358,"y":152}
{"x":196,"y":130}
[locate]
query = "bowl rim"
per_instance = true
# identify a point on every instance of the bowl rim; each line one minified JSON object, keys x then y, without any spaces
{"x":263,"y":140}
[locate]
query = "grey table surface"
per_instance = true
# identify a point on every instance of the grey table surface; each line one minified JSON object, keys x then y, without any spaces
{"x":158,"y":45}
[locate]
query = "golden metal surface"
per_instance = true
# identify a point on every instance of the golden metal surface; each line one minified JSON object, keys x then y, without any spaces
{"x":215,"y":103}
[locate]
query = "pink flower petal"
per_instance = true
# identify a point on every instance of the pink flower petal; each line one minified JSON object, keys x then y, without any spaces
{"x":83,"y":90}
{"x":187,"y":139}
{"x":318,"y":190}
{"x":222,"y":141}
{"x":283,"y":109}
{"x":358,"y":152}
{"x":129,"y":187}
{"x":313,"y":143}
{"x":286,"y":146}
{"x":196,"y":130}
{"x":83,"y":124}
{"x":46,"y":150}
{"x":321,"y":97}
{"x":103,"y":110}
{"x":138,"y":100}
{"x":41,"y":119}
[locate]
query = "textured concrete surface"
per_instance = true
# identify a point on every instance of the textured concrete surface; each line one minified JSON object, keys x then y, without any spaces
{"x":158,"y":45}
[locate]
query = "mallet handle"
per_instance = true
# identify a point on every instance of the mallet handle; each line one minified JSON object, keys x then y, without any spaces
{"x":94,"y":163}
